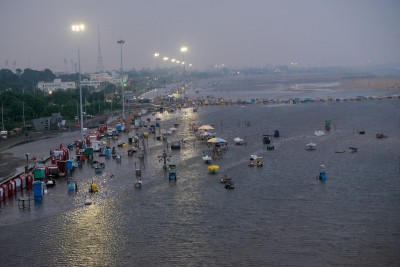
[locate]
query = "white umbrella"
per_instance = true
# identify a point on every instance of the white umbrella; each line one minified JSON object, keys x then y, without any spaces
{"x":238,"y":139}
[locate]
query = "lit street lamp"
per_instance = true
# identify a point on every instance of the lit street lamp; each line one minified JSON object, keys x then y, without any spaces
{"x":121,"y":42}
{"x":165,"y":60}
{"x":156,"y":55}
{"x":79,"y":28}
{"x":183,"y":50}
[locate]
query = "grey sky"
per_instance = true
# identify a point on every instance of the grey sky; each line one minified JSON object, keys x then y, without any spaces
{"x":236,"y":33}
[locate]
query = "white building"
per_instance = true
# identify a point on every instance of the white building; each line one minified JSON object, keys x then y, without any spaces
{"x":57,"y":84}
{"x":86,"y":82}
{"x":101,"y":77}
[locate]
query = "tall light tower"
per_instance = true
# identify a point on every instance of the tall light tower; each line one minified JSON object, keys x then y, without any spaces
{"x":183,"y":51}
{"x":79,"y":28}
{"x":157,"y":55}
{"x":121,"y":42}
{"x":100,"y":66}
{"x":165,"y":79}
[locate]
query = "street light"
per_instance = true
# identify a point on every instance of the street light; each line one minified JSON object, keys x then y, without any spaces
{"x":156,"y":55}
{"x":183,"y":50}
{"x":165,"y":79}
{"x":79,"y":28}
{"x":121,"y":42}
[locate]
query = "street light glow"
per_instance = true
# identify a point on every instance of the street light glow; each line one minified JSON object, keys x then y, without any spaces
{"x":173,"y":60}
{"x":156,"y":54}
{"x":184,"y":49}
{"x":165,"y":58}
{"x":78,"y":28}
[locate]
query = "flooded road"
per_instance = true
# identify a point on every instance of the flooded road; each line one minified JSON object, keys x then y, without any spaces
{"x":277,"y":215}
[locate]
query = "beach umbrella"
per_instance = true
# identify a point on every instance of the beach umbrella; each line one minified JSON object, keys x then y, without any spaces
{"x":206,"y":127}
{"x":216,"y":140}
{"x":213,"y":168}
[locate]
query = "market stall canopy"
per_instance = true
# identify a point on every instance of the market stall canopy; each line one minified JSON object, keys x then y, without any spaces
{"x":216,"y":140}
{"x":206,"y":127}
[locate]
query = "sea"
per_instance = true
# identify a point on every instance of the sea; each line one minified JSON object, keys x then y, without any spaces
{"x":279,"y":214}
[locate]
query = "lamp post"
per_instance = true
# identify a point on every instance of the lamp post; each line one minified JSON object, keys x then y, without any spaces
{"x":157,"y":55}
{"x":23,"y":107}
{"x":165,"y":79}
{"x":79,"y":28}
{"x":183,"y":50}
{"x":121,"y":42}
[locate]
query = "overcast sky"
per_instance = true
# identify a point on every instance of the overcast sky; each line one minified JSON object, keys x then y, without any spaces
{"x":237,"y":33}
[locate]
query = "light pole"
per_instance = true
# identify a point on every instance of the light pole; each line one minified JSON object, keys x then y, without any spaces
{"x":165,"y":79}
{"x":121,"y":42}
{"x":183,"y":50}
{"x":79,"y":28}
{"x":157,"y":55}
{"x":2,"y":115}
{"x":23,"y":107}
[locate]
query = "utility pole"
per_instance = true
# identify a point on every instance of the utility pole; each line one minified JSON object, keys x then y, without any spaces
{"x":121,"y":42}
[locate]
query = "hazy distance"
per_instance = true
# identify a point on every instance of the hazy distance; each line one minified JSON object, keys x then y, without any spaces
{"x":236,"y":33}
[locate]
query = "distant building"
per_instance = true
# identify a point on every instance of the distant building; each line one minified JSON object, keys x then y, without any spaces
{"x":55,"y":122}
{"x":86,"y":82}
{"x":101,"y":77}
{"x":57,"y":84}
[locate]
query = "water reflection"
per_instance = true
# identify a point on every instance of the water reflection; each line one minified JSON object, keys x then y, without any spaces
{"x":89,"y":236}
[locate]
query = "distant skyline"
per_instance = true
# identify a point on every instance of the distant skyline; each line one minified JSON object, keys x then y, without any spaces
{"x":236,"y":33}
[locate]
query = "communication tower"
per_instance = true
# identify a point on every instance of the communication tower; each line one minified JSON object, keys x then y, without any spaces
{"x":100,"y":66}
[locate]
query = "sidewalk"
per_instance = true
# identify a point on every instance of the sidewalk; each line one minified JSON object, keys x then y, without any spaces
{"x":22,"y":139}
{"x":11,"y":165}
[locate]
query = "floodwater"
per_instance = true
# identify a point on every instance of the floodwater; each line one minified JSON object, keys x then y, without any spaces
{"x":277,"y":215}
